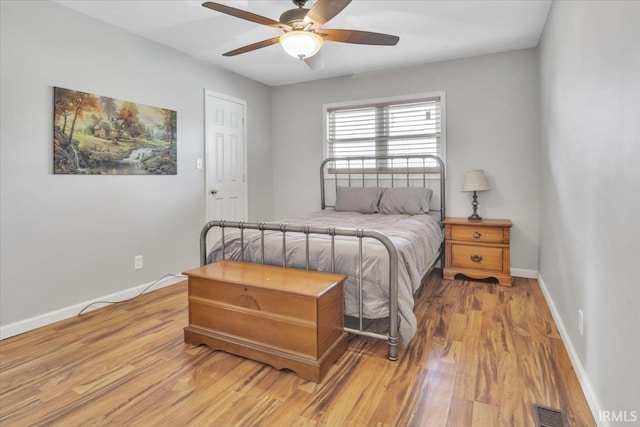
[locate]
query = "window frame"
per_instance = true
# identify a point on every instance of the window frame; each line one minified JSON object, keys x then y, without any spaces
{"x":387,"y":100}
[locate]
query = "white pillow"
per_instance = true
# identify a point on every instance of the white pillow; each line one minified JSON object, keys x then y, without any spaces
{"x":358,"y":199}
{"x":405,"y":200}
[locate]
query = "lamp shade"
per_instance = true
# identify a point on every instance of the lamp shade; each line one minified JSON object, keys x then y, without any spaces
{"x":475,"y":180}
{"x":301,"y":44}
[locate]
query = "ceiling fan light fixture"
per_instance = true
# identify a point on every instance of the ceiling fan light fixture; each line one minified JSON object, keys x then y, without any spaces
{"x":301,"y":44}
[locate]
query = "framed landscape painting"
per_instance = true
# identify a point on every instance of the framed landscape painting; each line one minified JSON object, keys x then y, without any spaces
{"x":100,"y":135}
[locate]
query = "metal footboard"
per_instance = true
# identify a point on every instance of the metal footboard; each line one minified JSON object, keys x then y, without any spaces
{"x":393,"y":335}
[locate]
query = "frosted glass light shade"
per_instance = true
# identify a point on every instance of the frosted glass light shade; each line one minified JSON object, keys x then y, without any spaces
{"x":474,"y":180}
{"x":301,"y":44}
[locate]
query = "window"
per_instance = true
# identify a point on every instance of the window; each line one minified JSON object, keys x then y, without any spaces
{"x":386,"y":127}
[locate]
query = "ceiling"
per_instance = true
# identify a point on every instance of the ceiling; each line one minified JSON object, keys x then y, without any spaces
{"x":429,"y":31}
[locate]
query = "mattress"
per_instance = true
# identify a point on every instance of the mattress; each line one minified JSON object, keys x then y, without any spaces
{"x":417,"y":239}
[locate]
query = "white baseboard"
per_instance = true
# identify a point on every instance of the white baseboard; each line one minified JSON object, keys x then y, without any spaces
{"x":521,"y":272}
{"x":35,"y":322}
{"x":583,"y":378}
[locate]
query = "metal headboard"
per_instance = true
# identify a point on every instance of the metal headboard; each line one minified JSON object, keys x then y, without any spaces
{"x":395,"y":170}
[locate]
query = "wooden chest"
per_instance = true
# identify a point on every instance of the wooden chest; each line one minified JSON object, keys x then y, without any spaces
{"x":478,"y":249}
{"x":284,"y":317}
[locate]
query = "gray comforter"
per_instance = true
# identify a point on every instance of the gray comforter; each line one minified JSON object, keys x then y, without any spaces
{"x":417,"y":239}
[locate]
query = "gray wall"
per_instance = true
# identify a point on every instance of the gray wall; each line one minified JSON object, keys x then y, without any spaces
{"x":67,"y":239}
{"x":590,"y":152}
{"x":492,"y":124}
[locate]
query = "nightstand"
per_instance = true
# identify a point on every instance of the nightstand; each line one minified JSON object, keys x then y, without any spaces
{"x":477,"y":249}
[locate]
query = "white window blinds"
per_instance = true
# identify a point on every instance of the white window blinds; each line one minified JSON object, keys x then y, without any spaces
{"x":386,"y":128}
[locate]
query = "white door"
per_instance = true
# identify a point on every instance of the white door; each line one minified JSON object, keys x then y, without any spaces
{"x":225,"y":160}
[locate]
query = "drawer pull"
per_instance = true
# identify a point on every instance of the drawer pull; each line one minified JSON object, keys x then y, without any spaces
{"x":476,"y":258}
{"x":477,"y":235}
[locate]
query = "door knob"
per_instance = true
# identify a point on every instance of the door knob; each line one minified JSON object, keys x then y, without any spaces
{"x":213,"y":192}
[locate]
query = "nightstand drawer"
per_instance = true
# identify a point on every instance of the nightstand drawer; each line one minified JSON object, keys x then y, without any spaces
{"x":477,"y":234}
{"x":476,"y":257}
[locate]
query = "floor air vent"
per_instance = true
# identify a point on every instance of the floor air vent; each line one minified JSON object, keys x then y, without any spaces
{"x":549,"y":417}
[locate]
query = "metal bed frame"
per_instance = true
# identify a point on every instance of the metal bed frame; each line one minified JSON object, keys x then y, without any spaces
{"x":409,"y":171}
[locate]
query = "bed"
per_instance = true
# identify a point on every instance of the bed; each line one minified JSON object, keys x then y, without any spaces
{"x":379,"y":224}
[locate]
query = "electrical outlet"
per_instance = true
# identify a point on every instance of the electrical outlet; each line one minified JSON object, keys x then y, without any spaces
{"x":198,"y":163}
{"x":581,"y":322}
{"x":137,"y":262}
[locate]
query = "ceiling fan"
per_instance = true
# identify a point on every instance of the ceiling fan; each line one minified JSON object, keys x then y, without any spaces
{"x":303,"y":36}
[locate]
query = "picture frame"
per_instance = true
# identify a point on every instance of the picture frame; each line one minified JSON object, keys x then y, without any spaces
{"x":99,"y":135}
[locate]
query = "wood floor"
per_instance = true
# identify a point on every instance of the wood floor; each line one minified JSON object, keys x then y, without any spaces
{"x":483,"y":355}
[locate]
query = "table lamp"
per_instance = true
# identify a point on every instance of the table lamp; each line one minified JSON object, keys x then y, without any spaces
{"x":474,"y":180}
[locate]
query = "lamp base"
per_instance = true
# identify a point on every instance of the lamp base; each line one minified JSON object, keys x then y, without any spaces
{"x":474,"y":216}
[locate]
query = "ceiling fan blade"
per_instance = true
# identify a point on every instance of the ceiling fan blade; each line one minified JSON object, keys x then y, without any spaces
{"x":243,"y":14}
{"x":359,"y":37}
{"x":316,"y":62}
{"x":254,"y":46}
{"x":323,"y":11}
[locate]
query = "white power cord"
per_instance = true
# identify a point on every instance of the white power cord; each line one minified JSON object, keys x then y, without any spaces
{"x":180,"y":276}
